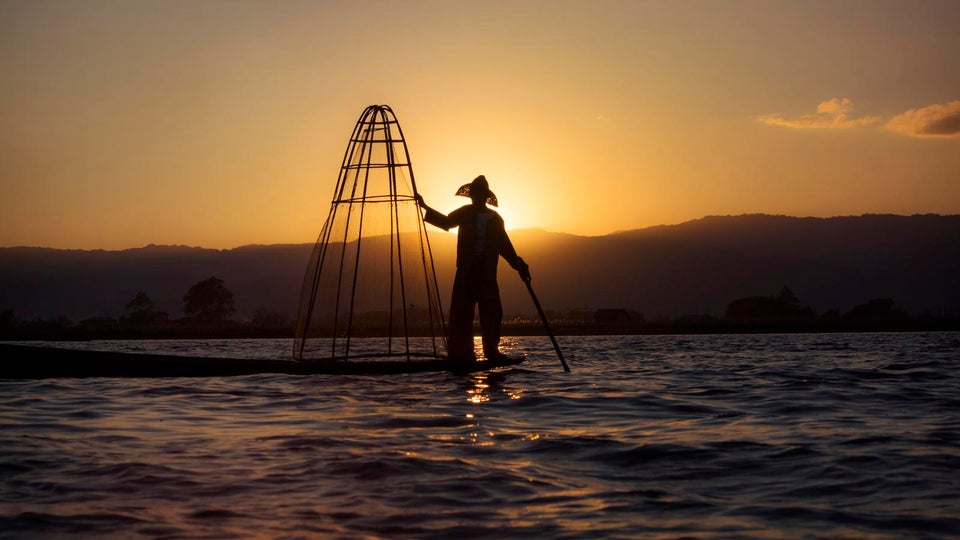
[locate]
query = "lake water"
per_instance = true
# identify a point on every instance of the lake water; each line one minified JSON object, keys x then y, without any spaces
{"x":743,"y":436}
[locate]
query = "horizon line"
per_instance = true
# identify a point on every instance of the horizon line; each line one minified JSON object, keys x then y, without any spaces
{"x":519,"y":229}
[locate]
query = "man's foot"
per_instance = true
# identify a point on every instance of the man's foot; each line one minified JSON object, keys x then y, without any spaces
{"x":497,"y":356}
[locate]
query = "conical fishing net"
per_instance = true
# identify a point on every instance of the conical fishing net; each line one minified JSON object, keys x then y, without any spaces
{"x":370,"y":290}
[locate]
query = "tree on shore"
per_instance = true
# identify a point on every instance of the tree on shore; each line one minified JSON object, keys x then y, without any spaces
{"x":140,"y":302}
{"x":784,"y":307}
{"x":140,"y":311}
{"x":209,"y":300}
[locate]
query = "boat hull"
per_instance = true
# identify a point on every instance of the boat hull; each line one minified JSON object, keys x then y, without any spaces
{"x":28,"y":362}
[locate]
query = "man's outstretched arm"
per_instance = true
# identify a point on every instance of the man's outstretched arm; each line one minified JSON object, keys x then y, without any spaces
{"x":433,"y":217}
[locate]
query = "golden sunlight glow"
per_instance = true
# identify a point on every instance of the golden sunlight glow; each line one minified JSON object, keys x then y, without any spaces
{"x":584,"y":120}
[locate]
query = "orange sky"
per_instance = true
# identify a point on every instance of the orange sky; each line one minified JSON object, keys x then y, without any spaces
{"x":223,"y":123}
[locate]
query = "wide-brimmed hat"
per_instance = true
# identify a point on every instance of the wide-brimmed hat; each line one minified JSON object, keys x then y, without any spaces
{"x":479,"y":185}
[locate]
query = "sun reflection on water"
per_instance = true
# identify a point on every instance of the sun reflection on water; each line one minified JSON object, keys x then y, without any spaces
{"x":478,"y":391}
{"x":482,"y":386}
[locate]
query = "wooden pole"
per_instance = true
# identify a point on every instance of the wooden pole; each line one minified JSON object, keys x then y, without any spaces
{"x":543,"y":317}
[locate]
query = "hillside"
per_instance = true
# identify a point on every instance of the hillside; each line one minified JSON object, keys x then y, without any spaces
{"x":664,"y":271}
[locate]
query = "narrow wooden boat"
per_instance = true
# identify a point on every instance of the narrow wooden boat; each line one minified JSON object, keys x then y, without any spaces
{"x":29,"y":362}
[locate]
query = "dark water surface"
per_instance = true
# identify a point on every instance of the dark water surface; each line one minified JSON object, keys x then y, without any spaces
{"x":762,"y":436}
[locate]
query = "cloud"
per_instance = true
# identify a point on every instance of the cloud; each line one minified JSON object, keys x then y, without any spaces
{"x":933,"y":121}
{"x":831,"y":114}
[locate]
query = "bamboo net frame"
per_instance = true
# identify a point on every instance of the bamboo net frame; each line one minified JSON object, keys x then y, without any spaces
{"x":370,"y":289}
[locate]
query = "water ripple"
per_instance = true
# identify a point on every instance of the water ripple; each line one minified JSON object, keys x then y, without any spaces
{"x":760,"y":436}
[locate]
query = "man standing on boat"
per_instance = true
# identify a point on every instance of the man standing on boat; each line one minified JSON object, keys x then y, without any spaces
{"x":481,"y":241}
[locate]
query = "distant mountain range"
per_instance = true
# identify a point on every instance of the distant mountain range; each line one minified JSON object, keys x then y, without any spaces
{"x":696,"y":267}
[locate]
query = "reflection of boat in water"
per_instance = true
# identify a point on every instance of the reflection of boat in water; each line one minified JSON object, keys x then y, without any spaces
{"x":28,"y":362}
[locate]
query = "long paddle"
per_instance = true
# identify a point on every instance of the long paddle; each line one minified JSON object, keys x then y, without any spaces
{"x":546,"y":325}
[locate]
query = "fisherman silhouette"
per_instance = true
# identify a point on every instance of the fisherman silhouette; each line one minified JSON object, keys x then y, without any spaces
{"x":481,"y":241}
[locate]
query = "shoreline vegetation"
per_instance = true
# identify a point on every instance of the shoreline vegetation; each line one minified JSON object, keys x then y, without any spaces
{"x":209,"y":308}
{"x":210,"y":314}
{"x":106,"y":329}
